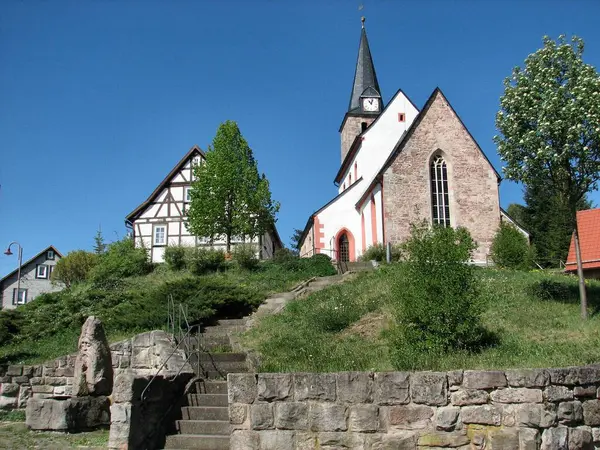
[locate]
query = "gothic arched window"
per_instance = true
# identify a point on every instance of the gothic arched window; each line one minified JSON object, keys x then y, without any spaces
{"x":440,"y":204}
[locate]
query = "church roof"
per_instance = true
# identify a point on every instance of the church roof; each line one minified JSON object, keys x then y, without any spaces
{"x":588,"y":226}
{"x":365,"y":78}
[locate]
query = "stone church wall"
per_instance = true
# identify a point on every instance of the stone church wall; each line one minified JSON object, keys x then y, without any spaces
{"x":473,"y":185}
{"x":498,"y":410}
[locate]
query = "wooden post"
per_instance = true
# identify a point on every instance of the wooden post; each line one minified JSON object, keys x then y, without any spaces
{"x":582,"y":292}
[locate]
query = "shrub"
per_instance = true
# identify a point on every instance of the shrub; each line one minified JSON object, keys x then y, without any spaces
{"x":436,"y":303}
{"x":121,"y":260}
{"x":510,"y":249}
{"x":244,"y":256}
{"x":551,"y":290}
{"x":376,"y":252}
{"x":11,"y":321}
{"x":74,"y":267}
{"x":201,"y":260}
{"x":175,"y":257}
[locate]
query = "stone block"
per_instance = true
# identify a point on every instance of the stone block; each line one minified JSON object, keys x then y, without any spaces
{"x":478,"y":379}
{"x":529,"y":439}
{"x":261,"y":416}
{"x":37,"y":371}
{"x":25,"y":394}
{"x":244,"y":440}
{"x":35,"y":381}
{"x":517,"y":395}
{"x":429,"y":388}
{"x":558,"y":393}
{"x":14,"y":371}
{"x":570,"y":412}
{"x":585,"y":391}
{"x":5,"y":379}
{"x":142,"y":358}
{"x":274,"y":386}
{"x":484,"y":415}
{"x":120,"y":412}
{"x":314,"y":386}
{"x":49,"y":372}
{"x":442,"y":439}
{"x":42,"y":389}
{"x":527,"y":378}
{"x":141,"y":340}
{"x":65,"y":372}
{"x":242,"y":387}
{"x":591,"y":413}
{"x":354,"y":387}
{"x":291,"y":416}
{"x":8,"y":402}
{"x":555,"y":439}
{"x":55,"y":381}
{"x":238,"y":413}
{"x":391,"y":388}
{"x":338,"y":440}
{"x":21,"y":380}
{"x":405,"y":440}
{"x":10,"y":389}
{"x":446,"y":418}
{"x":580,"y":439}
{"x":596,"y":435}
{"x":469,"y":397}
{"x":364,"y":418}
{"x":276,"y":440}
{"x":27,"y":371}
{"x":73,"y":414}
{"x":504,"y":439}
{"x":455,"y":378}
{"x":410,"y":416}
{"x":327,"y":417}
{"x":537,"y":415}
{"x":571,"y":376}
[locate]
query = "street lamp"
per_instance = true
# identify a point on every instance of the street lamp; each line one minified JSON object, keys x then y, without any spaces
{"x":8,"y":253}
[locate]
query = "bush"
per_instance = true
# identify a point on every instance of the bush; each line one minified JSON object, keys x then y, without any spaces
{"x":510,"y":249}
{"x":375,"y":252}
{"x":175,"y":257}
{"x":551,"y":290}
{"x":74,"y":267}
{"x":11,"y":321}
{"x":245,"y":256}
{"x":121,"y":260}
{"x":201,"y":260}
{"x":436,"y":304}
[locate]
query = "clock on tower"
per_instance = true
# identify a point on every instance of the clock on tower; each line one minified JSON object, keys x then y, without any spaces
{"x":370,"y":104}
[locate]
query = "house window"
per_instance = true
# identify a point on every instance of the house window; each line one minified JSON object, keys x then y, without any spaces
{"x":41,"y":271}
{"x":160,"y":235}
{"x":349,"y":179}
{"x":356,"y":171}
{"x":439,"y":192}
{"x":21,"y":298}
{"x":401,"y":117}
{"x":50,"y":254}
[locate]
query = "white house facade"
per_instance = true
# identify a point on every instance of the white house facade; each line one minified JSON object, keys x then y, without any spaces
{"x":160,"y":220}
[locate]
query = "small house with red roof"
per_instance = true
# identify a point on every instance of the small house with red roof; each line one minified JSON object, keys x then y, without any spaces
{"x":588,"y":225}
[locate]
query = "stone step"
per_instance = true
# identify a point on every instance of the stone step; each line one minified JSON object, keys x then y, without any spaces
{"x":201,"y":442}
{"x":237,"y":322}
{"x":211,"y":387}
{"x":219,"y":357}
{"x":223,"y":366}
{"x":205,"y":413}
{"x":207,"y":399}
{"x":223,"y":330}
{"x":219,"y":427}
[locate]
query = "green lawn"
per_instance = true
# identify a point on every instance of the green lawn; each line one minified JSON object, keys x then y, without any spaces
{"x":16,"y":435}
{"x":344,"y":327}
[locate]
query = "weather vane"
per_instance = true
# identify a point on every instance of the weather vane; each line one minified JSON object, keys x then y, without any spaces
{"x":362,"y":19}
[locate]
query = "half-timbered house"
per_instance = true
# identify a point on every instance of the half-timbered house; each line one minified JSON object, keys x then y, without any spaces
{"x":160,"y":220}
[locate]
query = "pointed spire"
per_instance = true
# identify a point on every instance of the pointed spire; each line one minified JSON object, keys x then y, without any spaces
{"x":365,"y":78}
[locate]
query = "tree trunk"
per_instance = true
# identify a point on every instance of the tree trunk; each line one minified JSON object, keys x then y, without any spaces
{"x":582,"y":292}
{"x":228,"y":242}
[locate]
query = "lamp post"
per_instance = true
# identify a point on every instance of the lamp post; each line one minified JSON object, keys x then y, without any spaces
{"x":8,"y":253}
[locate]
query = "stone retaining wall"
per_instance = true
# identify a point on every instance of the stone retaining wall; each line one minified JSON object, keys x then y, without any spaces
{"x":515,"y":409}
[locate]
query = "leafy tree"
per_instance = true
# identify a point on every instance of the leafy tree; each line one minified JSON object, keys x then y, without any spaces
{"x":295,"y":240}
{"x":549,"y":132}
{"x":74,"y":267}
{"x":99,"y":244}
{"x":518,"y":213}
{"x":510,"y":248}
{"x":229,"y":197}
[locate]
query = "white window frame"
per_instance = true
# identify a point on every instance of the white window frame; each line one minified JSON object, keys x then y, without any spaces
{"x":50,"y":254}
{"x":16,"y":297}
{"x":186,"y":194}
{"x":155,"y":234}
{"x":39,"y":269}
{"x":440,"y":192}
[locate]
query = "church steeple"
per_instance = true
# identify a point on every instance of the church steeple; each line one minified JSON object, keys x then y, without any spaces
{"x":365,"y":79}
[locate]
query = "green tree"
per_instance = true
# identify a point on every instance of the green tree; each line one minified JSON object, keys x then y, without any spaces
{"x":74,"y":267}
{"x":518,"y":213}
{"x":295,"y":241}
{"x":229,"y":197}
{"x":548,"y":124}
{"x":99,"y":244}
{"x":510,"y":248}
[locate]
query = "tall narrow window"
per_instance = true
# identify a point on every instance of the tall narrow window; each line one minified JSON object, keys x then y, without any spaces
{"x":363,"y":126}
{"x":439,"y":192}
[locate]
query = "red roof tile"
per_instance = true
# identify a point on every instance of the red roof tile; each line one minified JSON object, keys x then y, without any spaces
{"x":588,"y":225}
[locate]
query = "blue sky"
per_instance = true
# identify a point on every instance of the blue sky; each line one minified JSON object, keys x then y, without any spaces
{"x":100,"y":99}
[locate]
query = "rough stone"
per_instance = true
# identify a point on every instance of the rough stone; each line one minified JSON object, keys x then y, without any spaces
{"x":446,"y":418}
{"x":537,"y":415}
{"x":27,"y":371}
{"x":527,"y":378}
{"x":73,"y":414}
{"x":485,"y":415}
{"x":120,"y":412}
{"x":517,"y":395}
{"x":529,"y":439}
{"x":10,"y":389}
{"x":571,"y":376}
{"x":8,"y":402}
{"x":442,"y":439}
{"x":331,"y":440}
{"x":35,"y":381}
{"x":244,"y":440}
{"x":429,"y":388}
{"x":242,"y":387}
{"x":314,"y":386}
{"x":291,"y":416}
{"x":14,"y":371}
{"x":261,"y":416}
{"x":55,"y":381}
{"x":276,"y":440}
{"x":93,"y":372}
{"x":479,"y":379}
{"x":570,"y":412}
{"x":5,"y":379}
{"x":591,"y":413}
{"x":42,"y":389}
{"x":364,"y":418}
{"x":238,"y":413}
{"x":410,"y":416}
{"x":455,"y":378}
{"x":585,"y":391}
{"x":580,"y":439}
{"x":354,"y":387}
{"x":504,"y":439}
{"x":391,"y":388}
{"x":555,"y":439}
{"x":274,"y":386}
{"x":24,"y":394}
{"x":20,"y":380}
{"x":558,"y":393}
{"x":596,"y":435}
{"x":469,"y":397}
{"x":327,"y":417}
{"x":123,"y":387}
{"x":398,"y":441}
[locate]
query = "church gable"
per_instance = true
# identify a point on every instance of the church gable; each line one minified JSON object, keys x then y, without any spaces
{"x":438,"y":173}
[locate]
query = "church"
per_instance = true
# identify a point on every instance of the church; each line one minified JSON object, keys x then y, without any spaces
{"x":401,"y":165}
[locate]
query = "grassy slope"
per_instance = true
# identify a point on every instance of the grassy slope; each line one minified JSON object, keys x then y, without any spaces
{"x":264,"y":282}
{"x":340,"y":328}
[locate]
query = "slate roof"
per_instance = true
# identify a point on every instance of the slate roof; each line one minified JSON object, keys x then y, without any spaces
{"x":365,"y":78}
{"x":30,"y":260}
{"x":588,"y":225}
